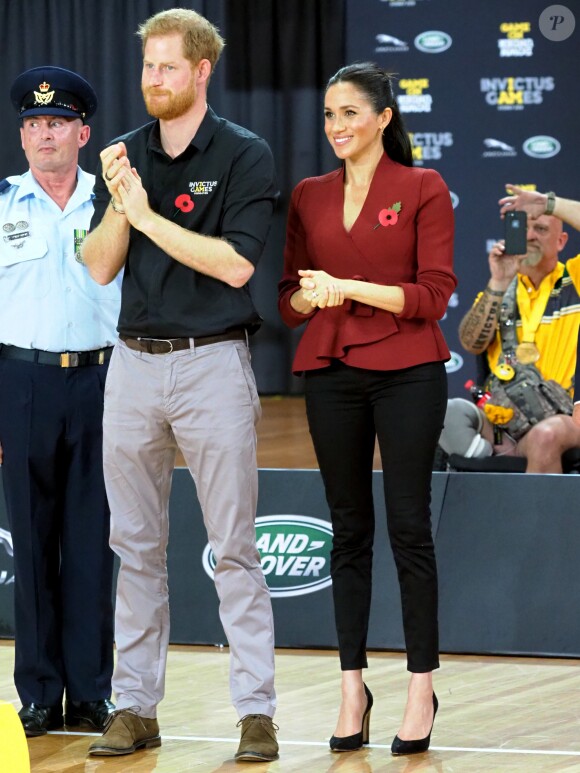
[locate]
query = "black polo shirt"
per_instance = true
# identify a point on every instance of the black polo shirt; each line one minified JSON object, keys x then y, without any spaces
{"x":221,"y":185}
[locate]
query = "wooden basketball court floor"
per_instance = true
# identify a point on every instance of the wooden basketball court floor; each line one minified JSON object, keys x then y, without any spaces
{"x":496,"y":713}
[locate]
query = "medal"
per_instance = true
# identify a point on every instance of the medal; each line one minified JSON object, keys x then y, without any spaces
{"x":504,"y":371}
{"x":532,"y":307}
{"x":527,"y":353}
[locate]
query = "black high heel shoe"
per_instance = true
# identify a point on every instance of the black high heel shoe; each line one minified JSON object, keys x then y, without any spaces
{"x":350,"y":743}
{"x":415,"y":747}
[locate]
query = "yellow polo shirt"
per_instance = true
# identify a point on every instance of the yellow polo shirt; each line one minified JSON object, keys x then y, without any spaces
{"x":557,"y":334}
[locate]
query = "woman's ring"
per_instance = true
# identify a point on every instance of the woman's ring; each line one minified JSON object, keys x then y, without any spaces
{"x":107,"y":177}
{"x":315,"y":295}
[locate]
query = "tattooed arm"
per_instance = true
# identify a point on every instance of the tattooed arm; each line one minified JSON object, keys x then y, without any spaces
{"x":478,"y":326}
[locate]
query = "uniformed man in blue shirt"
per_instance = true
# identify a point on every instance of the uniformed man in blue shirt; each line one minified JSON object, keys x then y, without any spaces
{"x":57,"y":329}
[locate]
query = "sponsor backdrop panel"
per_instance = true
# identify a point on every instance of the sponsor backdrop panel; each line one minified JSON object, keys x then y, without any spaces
{"x":509,"y":574}
{"x":489,"y":96}
{"x":294,"y":539}
{"x":289,"y":550}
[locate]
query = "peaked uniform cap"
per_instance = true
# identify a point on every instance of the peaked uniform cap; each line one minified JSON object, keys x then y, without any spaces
{"x":53,"y":91}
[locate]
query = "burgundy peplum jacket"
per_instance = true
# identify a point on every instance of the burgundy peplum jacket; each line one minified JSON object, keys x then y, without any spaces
{"x":415,"y":252}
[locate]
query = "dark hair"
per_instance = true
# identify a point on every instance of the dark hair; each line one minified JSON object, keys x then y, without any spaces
{"x":377,"y":85}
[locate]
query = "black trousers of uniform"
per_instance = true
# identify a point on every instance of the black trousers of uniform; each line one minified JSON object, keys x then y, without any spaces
{"x":51,"y":435}
{"x":347,"y":408}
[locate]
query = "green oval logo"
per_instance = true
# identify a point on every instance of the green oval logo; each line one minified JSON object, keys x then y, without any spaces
{"x":6,"y":558}
{"x":541,"y":146}
{"x":454,"y":363}
{"x":294,"y":551}
{"x":433,"y":42}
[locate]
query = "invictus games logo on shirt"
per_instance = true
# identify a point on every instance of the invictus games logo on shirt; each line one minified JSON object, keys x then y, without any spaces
{"x":428,"y":146}
{"x":516,"y":93}
{"x":413,"y":100}
{"x":295,"y":554}
{"x":454,"y":199}
{"x":433,"y":42}
{"x":202,"y":187}
{"x":541,"y":146}
{"x":514,"y":43}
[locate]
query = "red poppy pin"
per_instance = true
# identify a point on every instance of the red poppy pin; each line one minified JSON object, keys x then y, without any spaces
{"x":184,"y":202}
{"x":390,"y":215}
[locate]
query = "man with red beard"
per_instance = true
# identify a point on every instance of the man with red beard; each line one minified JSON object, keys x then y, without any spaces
{"x":184,"y":205}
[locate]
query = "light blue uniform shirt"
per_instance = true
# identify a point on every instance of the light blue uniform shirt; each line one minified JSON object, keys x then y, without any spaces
{"x":47,"y":297}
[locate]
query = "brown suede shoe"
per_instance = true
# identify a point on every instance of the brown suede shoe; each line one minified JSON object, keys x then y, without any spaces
{"x":125,"y":732}
{"x":258,"y":742}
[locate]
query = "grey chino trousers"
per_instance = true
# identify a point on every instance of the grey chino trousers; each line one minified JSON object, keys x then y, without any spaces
{"x":205,"y":401}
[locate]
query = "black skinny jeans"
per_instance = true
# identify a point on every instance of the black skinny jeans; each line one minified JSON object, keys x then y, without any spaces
{"x":347,"y":407}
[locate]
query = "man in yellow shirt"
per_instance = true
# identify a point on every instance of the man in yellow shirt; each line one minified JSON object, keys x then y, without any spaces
{"x":547,"y":321}
{"x":535,"y":204}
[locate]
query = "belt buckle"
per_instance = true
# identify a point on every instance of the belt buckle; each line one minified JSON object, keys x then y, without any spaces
{"x":69,"y":360}
{"x":101,"y":357}
{"x":167,"y":341}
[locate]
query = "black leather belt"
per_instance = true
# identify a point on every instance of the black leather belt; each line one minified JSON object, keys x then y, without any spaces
{"x":168,"y":345}
{"x":62,"y":359}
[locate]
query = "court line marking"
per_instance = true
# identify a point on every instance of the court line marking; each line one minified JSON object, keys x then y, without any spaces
{"x":474,"y":749}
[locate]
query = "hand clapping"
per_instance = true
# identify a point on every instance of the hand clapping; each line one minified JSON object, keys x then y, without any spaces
{"x":124,"y":183}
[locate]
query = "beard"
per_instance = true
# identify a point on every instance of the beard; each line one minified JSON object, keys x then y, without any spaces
{"x":533,"y":257}
{"x":171,"y":106}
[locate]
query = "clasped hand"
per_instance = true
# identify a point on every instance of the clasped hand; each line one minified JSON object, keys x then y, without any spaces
{"x":124,"y":183}
{"x":320,"y":289}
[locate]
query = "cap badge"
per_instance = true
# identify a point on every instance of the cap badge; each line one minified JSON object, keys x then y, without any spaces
{"x":44,"y":96}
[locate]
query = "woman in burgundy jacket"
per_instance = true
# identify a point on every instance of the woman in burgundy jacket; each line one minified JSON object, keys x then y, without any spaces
{"x":368,"y":267}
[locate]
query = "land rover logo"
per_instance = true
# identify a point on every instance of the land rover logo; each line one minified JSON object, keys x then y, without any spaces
{"x":6,"y":561}
{"x":454,"y":363}
{"x":541,"y":146}
{"x":295,"y":552}
{"x":433,"y":42}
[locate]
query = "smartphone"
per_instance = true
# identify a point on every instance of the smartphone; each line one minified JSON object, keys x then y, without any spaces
{"x":516,"y":233}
